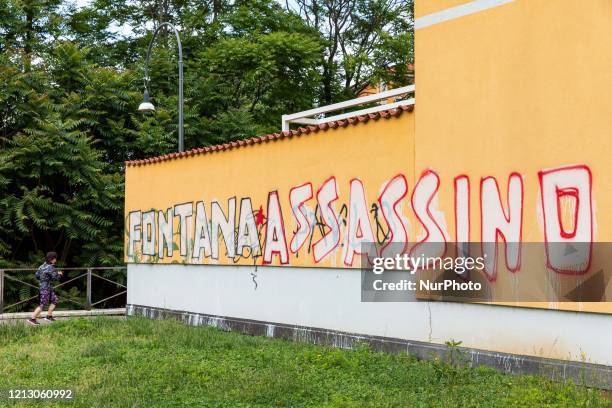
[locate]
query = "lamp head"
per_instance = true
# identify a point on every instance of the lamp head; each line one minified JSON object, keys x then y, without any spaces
{"x":146,"y":106}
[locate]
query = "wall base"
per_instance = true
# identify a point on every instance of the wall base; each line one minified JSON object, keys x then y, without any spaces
{"x":591,"y":375}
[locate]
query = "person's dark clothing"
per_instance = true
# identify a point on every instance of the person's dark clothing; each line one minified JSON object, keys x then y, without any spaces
{"x":47,"y":296}
{"x":47,"y":275}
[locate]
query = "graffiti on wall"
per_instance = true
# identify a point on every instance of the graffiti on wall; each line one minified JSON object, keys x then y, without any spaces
{"x":318,"y":228}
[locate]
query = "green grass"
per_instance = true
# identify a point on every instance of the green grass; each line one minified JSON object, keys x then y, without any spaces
{"x":145,"y":363}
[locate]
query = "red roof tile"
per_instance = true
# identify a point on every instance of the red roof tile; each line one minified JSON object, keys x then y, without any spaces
{"x":275,"y":136}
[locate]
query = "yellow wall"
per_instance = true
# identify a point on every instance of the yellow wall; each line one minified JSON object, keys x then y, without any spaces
{"x":373,"y":152}
{"x":520,"y":89}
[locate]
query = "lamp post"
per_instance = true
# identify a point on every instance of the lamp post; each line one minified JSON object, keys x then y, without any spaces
{"x":146,"y":105}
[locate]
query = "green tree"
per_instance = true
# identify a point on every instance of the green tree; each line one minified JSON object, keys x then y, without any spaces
{"x":30,"y":26}
{"x":71,"y":80}
{"x":57,"y":191}
{"x":357,"y":34}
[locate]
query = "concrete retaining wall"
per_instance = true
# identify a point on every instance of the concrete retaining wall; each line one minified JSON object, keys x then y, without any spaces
{"x":323,"y":300}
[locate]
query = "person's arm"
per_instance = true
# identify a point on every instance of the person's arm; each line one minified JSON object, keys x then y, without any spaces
{"x":55,"y":275}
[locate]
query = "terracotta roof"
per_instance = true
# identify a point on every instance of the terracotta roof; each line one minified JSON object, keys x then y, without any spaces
{"x":274,"y":136}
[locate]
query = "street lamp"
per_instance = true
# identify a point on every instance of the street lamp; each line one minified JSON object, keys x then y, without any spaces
{"x":146,"y":105}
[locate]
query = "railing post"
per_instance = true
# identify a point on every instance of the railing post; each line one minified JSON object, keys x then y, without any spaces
{"x":1,"y":291}
{"x":88,"y":302}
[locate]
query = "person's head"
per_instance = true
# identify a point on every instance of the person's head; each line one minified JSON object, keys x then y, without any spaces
{"x":51,"y":257}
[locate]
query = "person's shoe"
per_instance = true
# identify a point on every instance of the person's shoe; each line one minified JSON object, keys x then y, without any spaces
{"x":32,"y":322}
{"x":50,"y":318}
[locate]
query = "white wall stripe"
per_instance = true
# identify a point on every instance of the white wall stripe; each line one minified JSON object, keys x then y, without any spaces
{"x":457,"y":11}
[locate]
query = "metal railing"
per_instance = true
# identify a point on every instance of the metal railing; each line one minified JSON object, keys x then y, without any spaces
{"x":10,"y":274}
{"x":317,"y":116}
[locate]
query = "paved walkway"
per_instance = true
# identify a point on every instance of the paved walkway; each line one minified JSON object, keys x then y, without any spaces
{"x":64,"y":314}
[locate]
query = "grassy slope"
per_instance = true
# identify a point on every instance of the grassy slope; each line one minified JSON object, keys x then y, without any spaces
{"x":138,"y":362}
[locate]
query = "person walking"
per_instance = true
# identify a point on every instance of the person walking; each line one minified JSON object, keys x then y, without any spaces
{"x":46,"y":274}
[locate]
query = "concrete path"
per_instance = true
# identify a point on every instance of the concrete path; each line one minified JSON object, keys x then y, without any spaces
{"x":63,"y":314}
